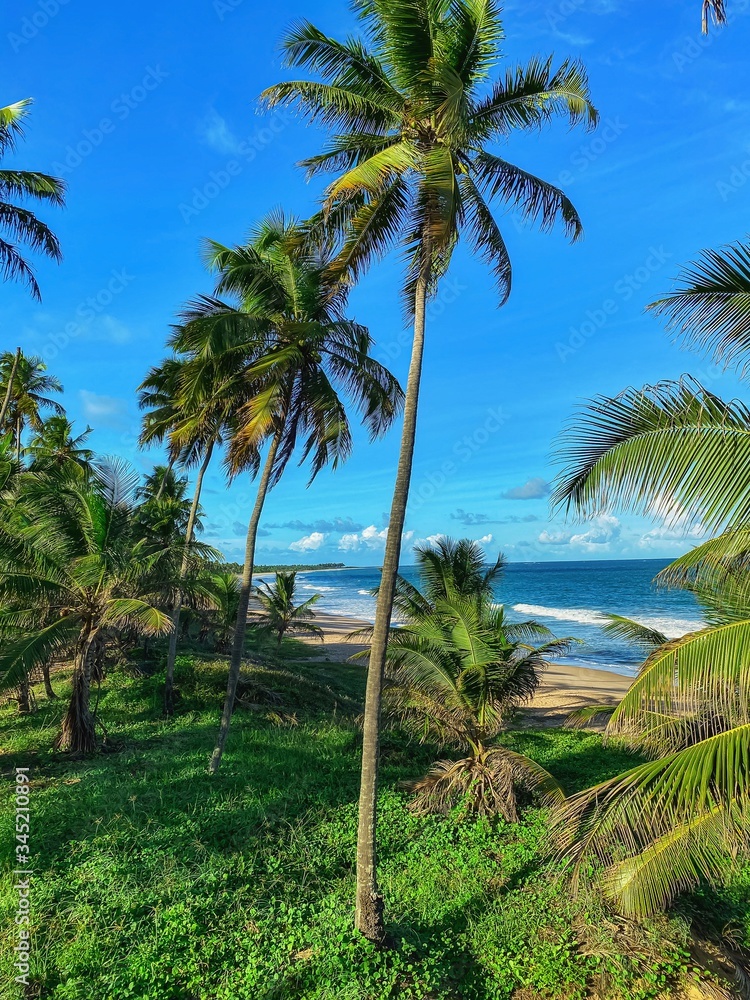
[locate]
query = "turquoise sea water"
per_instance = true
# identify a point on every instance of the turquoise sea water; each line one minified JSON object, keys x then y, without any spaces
{"x":568,"y":597}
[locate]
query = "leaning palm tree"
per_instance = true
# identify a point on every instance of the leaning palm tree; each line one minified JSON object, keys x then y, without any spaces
{"x":25,"y":379}
{"x":678,"y":452}
{"x":56,"y":444}
{"x":457,"y":670}
{"x":279,"y":613}
{"x":19,"y":224}
{"x":70,"y":578}
{"x":414,"y":112}
{"x":297,"y":356}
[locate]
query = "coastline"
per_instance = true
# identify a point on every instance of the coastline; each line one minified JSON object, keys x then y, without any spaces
{"x":563,"y":689}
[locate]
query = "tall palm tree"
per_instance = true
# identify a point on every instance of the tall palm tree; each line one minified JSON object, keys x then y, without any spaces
{"x":55,"y":443}
{"x":297,"y":355}
{"x":183,"y":404}
{"x":21,"y":225}
{"x":68,"y":579}
{"x":26,"y":378}
{"x":279,"y":612}
{"x":414,"y":111}
{"x":678,"y":452}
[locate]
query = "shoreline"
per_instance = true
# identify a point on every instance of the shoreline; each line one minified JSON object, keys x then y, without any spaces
{"x":564,"y":687}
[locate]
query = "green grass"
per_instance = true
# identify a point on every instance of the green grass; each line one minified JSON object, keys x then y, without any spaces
{"x":157,"y":882}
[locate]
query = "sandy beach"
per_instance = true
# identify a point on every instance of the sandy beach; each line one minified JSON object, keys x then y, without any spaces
{"x":564,"y":688}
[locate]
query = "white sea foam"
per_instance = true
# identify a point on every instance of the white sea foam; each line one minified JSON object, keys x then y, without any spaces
{"x":367,"y":592}
{"x":671,"y":627}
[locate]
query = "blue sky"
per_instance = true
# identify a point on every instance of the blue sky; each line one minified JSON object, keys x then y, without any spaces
{"x":149,"y":112}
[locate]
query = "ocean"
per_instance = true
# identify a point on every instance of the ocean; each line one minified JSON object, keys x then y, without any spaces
{"x":567,"y":597}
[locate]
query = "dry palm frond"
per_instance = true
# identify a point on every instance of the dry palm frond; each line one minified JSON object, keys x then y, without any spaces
{"x":486,"y":783}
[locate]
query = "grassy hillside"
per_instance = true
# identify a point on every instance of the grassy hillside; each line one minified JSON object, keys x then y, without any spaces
{"x":155,"y":882}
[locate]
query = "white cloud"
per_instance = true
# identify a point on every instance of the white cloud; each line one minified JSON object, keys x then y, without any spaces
{"x":658,"y":538}
{"x":486,"y":539}
{"x":216,"y":133}
{"x":308,"y":543}
{"x":102,"y":409}
{"x":554,"y":538}
{"x":369,"y":539}
{"x":605,"y":529}
{"x":532,"y":489}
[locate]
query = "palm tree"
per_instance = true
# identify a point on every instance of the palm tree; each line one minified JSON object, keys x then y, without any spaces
{"x":68,"y":580}
{"x":713,"y":9}
{"x":183,"y":404}
{"x":414,"y":115}
{"x":26,"y":379}
{"x":56,"y":444}
{"x":678,"y":452}
{"x":457,"y":670}
{"x":280,"y":614}
{"x":299,"y":354}
{"x":223,"y":616}
{"x":21,"y":225}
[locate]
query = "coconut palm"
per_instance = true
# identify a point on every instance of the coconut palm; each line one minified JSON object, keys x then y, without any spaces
{"x":279,"y":613}
{"x":70,"y":579}
{"x":221,"y":620}
{"x":713,"y":9}
{"x":184,"y":405}
{"x":300,"y":358}
{"x":457,"y":670}
{"x":19,"y":224}
{"x":414,"y":112}
{"x":678,"y":452}
{"x":27,"y":379}
{"x":56,"y":444}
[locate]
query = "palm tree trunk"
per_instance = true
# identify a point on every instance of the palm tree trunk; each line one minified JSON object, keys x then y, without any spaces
{"x":18,"y":440}
{"x":369,"y":907}
{"x":173,"y":635}
{"x":238,"y":643}
{"x":48,"y":689}
{"x":78,"y":730}
{"x":164,"y":478}
{"x":24,"y":696}
{"x":9,"y":390}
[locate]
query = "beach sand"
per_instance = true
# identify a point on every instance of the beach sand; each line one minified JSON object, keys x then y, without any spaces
{"x":563,"y":689}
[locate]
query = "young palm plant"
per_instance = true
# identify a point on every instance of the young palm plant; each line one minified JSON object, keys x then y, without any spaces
{"x":678,"y":452}
{"x":457,"y":670}
{"x":297,"y":357}
{"x":19,"y":224}
{"x":415,"y":113}
{"x":68,"y":580}
{"x":279,"y":613}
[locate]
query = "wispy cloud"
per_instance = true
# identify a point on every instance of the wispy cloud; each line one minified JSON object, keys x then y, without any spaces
{"x":532,"y":489}
{"x":215,"y":132}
